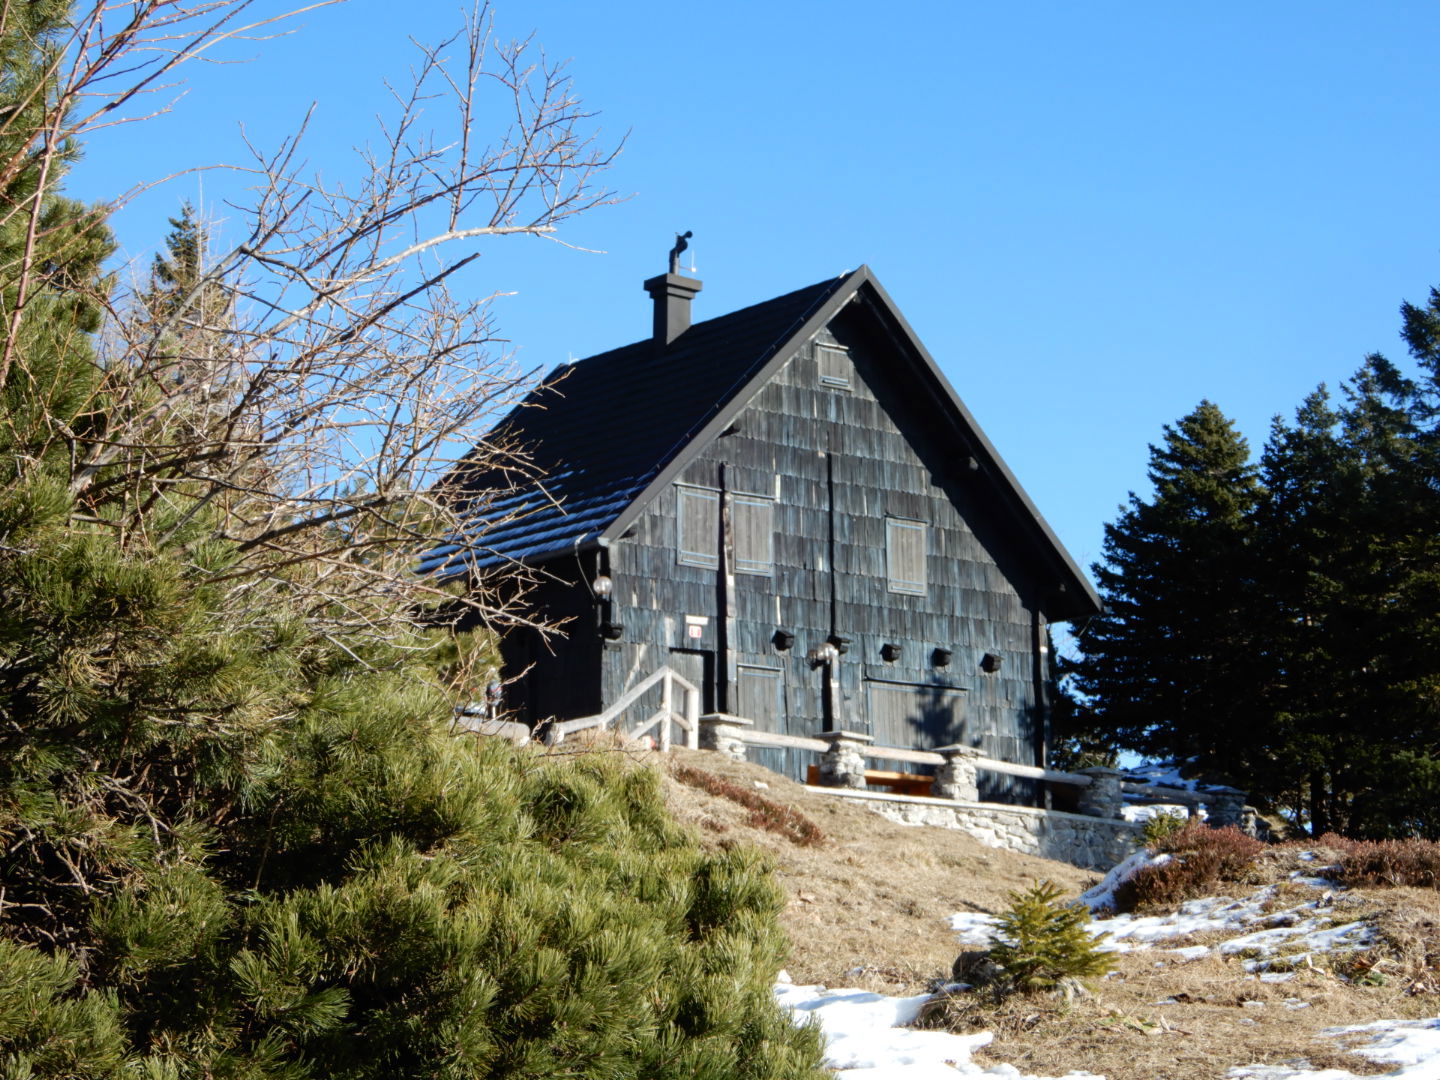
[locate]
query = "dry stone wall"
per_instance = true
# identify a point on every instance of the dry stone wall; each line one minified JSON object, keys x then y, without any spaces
{"x":1088,"y":842}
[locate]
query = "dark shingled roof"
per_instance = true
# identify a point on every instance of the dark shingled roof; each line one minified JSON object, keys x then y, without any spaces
{"x":597,"y":438}
{"x":600,"y":430}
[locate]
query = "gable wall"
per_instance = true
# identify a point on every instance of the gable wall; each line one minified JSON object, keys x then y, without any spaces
{"x":875,"y":451}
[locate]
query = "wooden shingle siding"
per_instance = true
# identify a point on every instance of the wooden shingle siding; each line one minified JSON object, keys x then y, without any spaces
{"x":887,"y":471}
{"x":794,"y":473}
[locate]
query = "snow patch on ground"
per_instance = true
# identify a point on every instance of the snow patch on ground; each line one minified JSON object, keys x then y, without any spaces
{"x":1136,"y":814}
{"x":973,"y":928}
{"x":1263,"y":936}
{"x":1162,"y":774}
{"x":864,"y":1039}
{"x":1414,"y":1045}
{"x":1102,"y":896}
{"x":867,"y":1038}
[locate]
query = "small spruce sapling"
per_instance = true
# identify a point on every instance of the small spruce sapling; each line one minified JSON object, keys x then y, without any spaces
{"x":1042,"y":944}
{"x":1162,"y":825}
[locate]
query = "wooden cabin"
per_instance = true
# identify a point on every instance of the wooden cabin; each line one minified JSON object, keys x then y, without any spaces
{"x":790,"y":507}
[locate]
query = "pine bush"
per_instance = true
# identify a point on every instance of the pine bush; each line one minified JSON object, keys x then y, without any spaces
{"x":238,"y":836}
{"x":1042,"y":943}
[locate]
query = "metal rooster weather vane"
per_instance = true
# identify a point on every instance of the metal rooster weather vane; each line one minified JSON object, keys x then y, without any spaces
{"x":682,"y":241}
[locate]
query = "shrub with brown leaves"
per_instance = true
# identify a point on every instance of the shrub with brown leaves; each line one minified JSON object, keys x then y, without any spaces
{"x":1386,"y":863}
{"x":1200,"y":859}
{"x":764,"y":813}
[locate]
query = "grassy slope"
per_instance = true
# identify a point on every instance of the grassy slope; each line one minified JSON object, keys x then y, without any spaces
{"x":868,"y":908}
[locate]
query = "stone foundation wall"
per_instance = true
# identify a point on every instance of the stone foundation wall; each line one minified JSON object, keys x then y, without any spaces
{"x":1089,"y":842}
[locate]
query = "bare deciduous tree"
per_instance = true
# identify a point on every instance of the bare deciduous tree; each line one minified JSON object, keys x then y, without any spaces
{"x":303,"y":395}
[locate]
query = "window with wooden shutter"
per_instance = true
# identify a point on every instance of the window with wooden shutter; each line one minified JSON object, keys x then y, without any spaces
{"x":905,"y":549}
{"x":752,"y":518}
{"x":833,"y":363}
{"x":697,"y":526}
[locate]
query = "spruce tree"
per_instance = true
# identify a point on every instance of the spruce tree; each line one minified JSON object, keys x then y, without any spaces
{"x":1338,"y":517}
{"x":1170,"y":669}
{"x":1310,"y":481}
{"x":1041,"y":943}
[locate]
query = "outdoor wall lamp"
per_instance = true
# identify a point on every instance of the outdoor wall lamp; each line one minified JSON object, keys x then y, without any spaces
{"x":602,"y":587}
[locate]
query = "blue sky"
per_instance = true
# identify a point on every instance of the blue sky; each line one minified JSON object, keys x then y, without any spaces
{"x":1094,"y":215}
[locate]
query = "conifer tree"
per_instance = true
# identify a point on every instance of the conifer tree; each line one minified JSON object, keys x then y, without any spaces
{"x":1041,"y":943}
{"x":1281,"y":632}
{"x":1170,"y":668}
{"x":1310,"y":480}
{"x":1394,"y":423}
{"x":239,"y":840}
{"x":1331,"y":528}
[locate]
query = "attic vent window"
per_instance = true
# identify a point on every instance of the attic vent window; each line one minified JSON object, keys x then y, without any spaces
{"x":906,"y":545}
{"x":697,"y":518}
{"x":833,"y":363}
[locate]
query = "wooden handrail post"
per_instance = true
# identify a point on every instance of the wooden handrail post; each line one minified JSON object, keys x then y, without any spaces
{"x":666,"y":713}
{"x":692,"y":718}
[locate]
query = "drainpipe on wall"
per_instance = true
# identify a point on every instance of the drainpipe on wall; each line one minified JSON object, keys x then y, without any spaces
{"x":1040,"y":666}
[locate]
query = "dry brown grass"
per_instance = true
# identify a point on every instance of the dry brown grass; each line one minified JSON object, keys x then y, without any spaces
{"x":868,"y":909}
{"x":1182,"y":1021}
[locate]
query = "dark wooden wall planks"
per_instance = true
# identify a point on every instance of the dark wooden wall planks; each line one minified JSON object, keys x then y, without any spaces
{"x":837,"y":461}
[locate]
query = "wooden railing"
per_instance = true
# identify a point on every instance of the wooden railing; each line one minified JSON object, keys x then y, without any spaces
{"x":913,"y":757}
{"x":687,"y":717}
{"x":1102,"y":791}
{"x":1155,"y":794}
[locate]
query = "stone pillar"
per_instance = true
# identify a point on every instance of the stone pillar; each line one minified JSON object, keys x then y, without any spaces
{"x":1102,"y":797}
{"x":957,"y":778}
{"x":1227,"y":807}
{"x":843,"y":764}
{"x":1250,"y":824}
{"x":723,"y":732}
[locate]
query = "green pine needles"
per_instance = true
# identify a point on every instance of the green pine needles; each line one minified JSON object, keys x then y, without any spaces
{"x":235,"y":848}
{"x":239,"y":837}
{"x":1042,"y":944}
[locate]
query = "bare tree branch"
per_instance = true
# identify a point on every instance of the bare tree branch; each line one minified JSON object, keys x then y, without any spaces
{"x":301,"y":393}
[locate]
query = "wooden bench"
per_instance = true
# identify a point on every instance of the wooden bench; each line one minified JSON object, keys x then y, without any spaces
{"x":897,"y":783}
